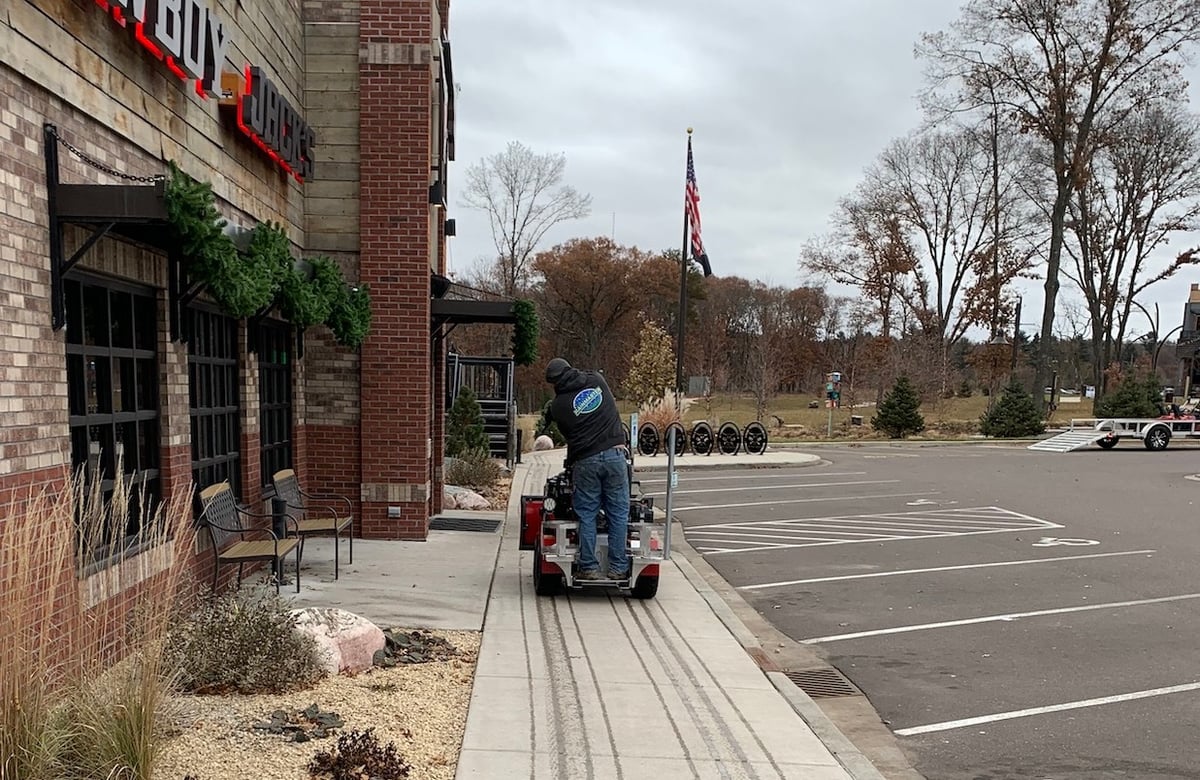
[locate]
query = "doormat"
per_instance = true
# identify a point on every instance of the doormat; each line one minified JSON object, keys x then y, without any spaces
{"x":483,"y":524}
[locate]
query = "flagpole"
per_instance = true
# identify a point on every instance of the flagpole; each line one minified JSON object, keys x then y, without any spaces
{"x":683,"y":266}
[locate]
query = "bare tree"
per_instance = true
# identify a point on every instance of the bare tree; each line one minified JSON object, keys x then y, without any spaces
{"x":969,"y":225}
{"x":523,"y":195}
{"x":1067,"y":72}
{"x":1141,"y":187}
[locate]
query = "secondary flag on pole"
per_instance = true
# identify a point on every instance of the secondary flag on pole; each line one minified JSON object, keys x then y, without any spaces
{"x":692,"y":209}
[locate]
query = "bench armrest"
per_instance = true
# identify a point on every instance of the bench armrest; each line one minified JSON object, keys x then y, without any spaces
{"x":333,"y":515}
{"x":287,"y":518}
{"x":330,"y":497}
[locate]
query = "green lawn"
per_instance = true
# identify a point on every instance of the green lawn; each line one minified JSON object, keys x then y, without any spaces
{"x":950,"y":418}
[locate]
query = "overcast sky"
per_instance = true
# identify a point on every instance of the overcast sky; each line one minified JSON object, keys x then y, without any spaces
{"x":790,"y":101}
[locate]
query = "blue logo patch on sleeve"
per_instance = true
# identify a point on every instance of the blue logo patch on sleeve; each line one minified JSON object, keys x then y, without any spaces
{"x":587,"y":401}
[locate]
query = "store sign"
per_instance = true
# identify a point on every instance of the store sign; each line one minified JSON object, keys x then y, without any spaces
{"x":185,"y":34}
{"x":193,"y":42}
{"x":265,"y":116}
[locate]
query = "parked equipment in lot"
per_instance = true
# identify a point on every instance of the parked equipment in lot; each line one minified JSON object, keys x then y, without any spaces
{"x":550,"y":527}
{"x":1155,"y":433}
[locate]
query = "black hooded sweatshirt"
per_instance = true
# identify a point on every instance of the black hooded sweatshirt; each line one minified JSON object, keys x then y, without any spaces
{"x":586,"y":413}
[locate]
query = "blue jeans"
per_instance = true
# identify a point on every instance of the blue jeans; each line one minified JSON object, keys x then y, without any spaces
{"x":602,"y":480}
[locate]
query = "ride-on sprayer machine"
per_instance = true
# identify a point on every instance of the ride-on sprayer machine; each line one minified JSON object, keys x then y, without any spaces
{"x":550,"y":527}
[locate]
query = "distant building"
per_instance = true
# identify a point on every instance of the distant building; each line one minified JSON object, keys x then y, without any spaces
{"x":1187,"y":348}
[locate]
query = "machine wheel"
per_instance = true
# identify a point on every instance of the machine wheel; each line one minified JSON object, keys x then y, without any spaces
{"x":648,"y":441}
{"x":754,"y":437}
{"x":729,"y":439}
{"x":1108,"y":444}
{"x":545,"y":584}
{"x":646,"y":587}
{"x":1157,"y":438}
{"x":681,"y":439}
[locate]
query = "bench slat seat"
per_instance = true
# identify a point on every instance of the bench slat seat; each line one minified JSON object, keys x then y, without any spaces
{"x":267,"y":550}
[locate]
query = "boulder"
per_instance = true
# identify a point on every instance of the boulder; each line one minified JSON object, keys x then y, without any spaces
{"x":543,"y":443}
{"x":469,"y":499}
{"x":455,"y":497}
{"x":347,"y":642}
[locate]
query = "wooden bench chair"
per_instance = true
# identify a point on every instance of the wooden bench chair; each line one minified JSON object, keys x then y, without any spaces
{"x":223,"y":519}
{"x":317,"y":515}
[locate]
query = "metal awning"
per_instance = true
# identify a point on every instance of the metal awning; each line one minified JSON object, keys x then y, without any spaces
{"x":455,"y":312}
{"x":457,"y":304}
{"x":136,"y":212}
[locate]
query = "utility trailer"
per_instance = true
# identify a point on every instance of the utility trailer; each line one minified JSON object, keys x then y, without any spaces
{"x":1155,"y":433}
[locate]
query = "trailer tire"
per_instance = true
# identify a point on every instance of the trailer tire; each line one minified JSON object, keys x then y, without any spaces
{"x":1157,"y":438}
{"x":1108,"y":444}
{"x":545,"y":584}
{"x":646,"y":587}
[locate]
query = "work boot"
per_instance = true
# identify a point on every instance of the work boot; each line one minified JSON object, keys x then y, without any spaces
{"x":590,"y":576}
{"x":620,"y":575}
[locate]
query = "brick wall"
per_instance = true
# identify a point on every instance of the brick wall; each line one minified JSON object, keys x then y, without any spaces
{"x":396,"y":72}
{"x":124,"y":109}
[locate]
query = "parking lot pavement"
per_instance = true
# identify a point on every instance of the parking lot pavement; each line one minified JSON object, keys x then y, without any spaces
{"x":1007,"y":613}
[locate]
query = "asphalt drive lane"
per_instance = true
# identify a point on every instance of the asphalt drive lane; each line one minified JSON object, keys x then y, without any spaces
{"x":1130,"y":506}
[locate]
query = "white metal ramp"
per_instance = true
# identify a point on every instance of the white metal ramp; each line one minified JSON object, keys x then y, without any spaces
{"x":1069,"y":440}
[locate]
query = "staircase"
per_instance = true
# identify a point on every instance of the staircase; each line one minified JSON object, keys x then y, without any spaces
{"x":497,"y":424}
{"x":1069,"y":441}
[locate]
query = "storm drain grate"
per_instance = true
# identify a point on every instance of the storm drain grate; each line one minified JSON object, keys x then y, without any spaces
{"x":484,"y":524}
{"x":821,"y":683}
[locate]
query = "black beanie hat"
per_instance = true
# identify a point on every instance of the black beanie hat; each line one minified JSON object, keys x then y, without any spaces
{"x":555,"y":369}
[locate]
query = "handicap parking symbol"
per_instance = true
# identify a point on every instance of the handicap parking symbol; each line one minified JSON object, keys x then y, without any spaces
{"x":1054,"y":541}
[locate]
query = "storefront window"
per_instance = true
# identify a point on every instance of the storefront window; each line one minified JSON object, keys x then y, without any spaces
{"x":213,"y":384}
{"x":275,"y":397}
{"x":114,"y":428}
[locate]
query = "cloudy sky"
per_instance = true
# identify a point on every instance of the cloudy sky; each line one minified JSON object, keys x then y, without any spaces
{"x":790,"y":101}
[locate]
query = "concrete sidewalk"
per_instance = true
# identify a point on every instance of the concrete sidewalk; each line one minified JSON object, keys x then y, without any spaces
{"x":594,"y":685}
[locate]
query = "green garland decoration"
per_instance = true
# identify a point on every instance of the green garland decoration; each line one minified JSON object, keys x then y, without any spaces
{"x":308,"y":290}
{"x":308,"y":294}
{"x":350,"y":319}
{"x":525,"y":333}
{"x":241,"y":285}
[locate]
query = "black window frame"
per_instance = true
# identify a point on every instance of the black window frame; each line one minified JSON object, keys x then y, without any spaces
{"x":118,"y":341}
{"x":276,"y":353}
{"x":214,"y":408}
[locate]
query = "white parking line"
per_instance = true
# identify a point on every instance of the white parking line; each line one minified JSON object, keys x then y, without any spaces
{"x":996,"y":618}
{"x":843,"y":577}
{"x":1071,"y":705}
{"x":742,"y":477}
{"x":804,"y":501}
{"x":788,"y":487}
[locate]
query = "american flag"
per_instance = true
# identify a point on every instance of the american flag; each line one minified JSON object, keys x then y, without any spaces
{"x":691,"y":207}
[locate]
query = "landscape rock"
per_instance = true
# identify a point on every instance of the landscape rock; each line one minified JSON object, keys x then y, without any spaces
{"x":347,"y":642}
{"x":543,"y":443}
{"x":461,"y":498}
{"x":413,"y":647}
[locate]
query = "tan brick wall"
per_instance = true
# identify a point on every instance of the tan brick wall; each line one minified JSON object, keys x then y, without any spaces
{"x":75,"y":51}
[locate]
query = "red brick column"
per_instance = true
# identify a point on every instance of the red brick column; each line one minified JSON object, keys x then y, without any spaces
{"x":395,"y":92}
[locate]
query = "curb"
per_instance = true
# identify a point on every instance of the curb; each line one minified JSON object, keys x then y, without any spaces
{"x":795,"y":460}
{"x":850,"y":757}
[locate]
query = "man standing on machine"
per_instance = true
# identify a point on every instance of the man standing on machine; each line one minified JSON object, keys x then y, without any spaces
{"x":585,"y":411}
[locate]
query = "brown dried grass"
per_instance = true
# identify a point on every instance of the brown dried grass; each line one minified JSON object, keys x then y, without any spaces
{"x":82,"y":686}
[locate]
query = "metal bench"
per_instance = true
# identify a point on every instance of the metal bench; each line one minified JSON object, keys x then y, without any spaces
{"x":222,"y":518}
{"x":317,"y":515}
